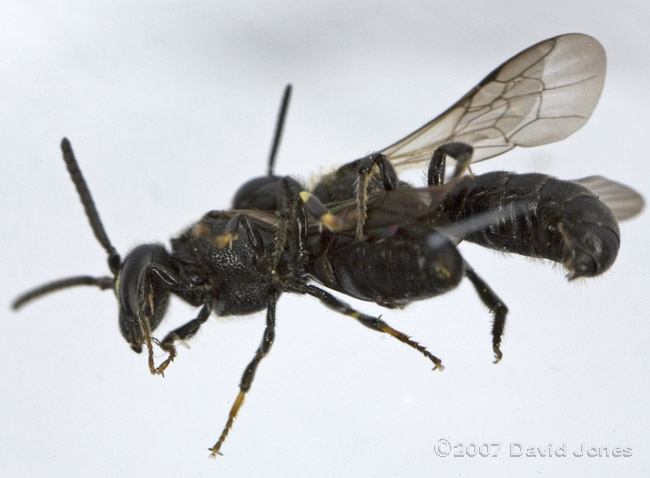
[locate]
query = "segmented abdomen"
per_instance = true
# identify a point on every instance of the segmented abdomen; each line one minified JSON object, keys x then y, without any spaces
{"x":392,"y":272}
{"x":537,"y":216}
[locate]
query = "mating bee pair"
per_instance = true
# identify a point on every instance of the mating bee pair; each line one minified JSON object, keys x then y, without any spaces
{"x":387,"y":242}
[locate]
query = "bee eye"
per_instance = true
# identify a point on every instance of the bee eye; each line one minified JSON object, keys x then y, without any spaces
{"x":134,"y":263}
{"x":129,"y":288}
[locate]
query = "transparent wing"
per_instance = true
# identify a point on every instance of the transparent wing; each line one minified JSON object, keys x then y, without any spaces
{"x":542,"y":95}
{"x":624,"y":201}
{"x":390,"y":209}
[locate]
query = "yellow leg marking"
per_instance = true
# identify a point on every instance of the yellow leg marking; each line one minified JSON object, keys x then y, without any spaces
{"x":331,"y":222}
{"x":146,"y":332}
{"x":304,"y":196}
{"x":163,"y":366}
{"x":225,"y":240}
{"x":498,"y":355}
{"x":214,"y":451}
{"x":408,"y":341}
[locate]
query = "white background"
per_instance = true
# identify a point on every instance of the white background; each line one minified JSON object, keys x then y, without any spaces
{"x":170,"y":106}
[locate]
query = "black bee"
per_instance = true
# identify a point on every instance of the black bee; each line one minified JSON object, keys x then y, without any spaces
{"x":363,"y":232}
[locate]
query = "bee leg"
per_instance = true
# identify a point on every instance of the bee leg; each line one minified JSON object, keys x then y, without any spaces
{"x":389,"y":178}
{"x":184,"y":332}
{"x":298,"y":239}
{"x":318,"y":210}
{"x":496,"y":306}
{"x":230,"y":233}
{"x":290,"y":234}
{"x":461,"y":152}
{"x":292,"y":228}
{"x":374,"y":323}
{"x":249,"y":374}
{"x":148,"y":315}
{"x":146,"y":311}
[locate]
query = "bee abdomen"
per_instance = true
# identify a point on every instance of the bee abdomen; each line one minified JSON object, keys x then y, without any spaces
{"x":539,"y":216}
{"x":392,"y":272}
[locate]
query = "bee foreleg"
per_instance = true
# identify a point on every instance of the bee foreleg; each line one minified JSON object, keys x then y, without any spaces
{"x":184,"y":332}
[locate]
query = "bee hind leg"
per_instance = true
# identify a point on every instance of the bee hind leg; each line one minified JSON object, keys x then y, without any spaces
{"x":496,"y":306}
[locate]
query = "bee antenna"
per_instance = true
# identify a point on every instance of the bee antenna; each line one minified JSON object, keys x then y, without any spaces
{"x":279,"y":125}
{"x":101,"y":282}
{"x":89,"y":207}
{"x":98,"y":229}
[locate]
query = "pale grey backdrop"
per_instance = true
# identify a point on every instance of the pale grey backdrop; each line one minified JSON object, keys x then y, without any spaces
{"x":170,"y":106}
